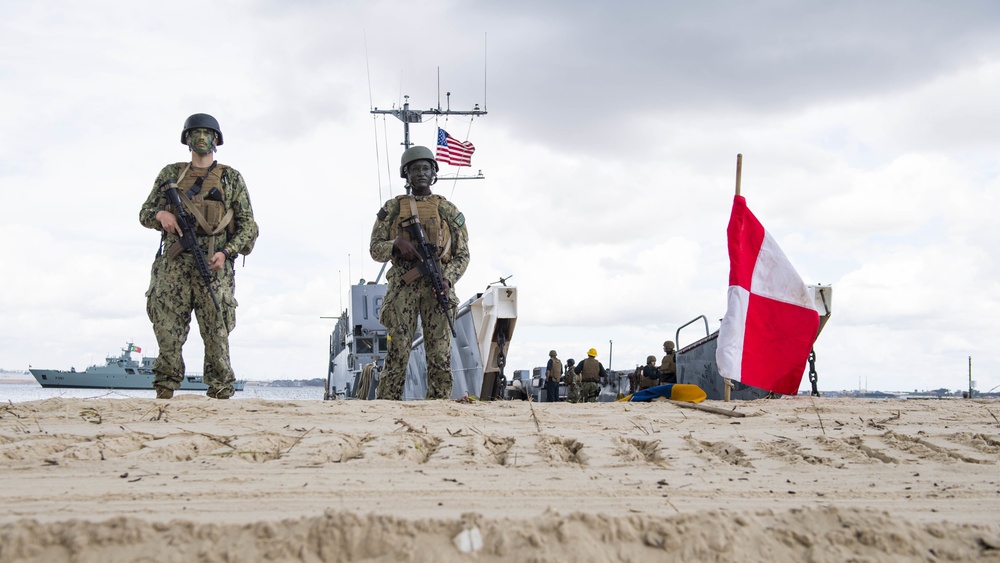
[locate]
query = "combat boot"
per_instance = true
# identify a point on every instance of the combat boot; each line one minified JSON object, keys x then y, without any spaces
{"x":164,"y":393}
{"x":220,"y":393}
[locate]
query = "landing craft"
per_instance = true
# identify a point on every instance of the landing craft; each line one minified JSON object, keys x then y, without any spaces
{"x":484,"y":325}
{"x":696,"y":365}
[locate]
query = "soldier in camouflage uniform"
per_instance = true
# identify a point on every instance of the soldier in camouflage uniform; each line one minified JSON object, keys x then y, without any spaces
{"x":217,"y":196}
{"x":572,"y":391}
{"x":409,"y":294}
{"x":591,"y":374}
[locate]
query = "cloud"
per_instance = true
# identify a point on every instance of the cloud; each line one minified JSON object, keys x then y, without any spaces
{"x":608,"y":151}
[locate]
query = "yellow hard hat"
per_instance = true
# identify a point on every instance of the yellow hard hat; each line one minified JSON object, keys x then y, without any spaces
{"x":592,"y":353}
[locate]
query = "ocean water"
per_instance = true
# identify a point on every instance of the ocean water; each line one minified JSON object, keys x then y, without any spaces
{"x":19,"y":392}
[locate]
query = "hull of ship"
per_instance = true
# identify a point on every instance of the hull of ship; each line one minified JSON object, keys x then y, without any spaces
{"x":49,"y":378}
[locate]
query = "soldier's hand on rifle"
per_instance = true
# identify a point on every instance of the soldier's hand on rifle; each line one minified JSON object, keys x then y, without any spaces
{"x":405,"y":249}
{"x":168,"y":222}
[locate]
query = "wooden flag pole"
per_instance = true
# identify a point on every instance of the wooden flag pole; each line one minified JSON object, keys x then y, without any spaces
{"x":739,"y":172}
{"x":727,"y":385}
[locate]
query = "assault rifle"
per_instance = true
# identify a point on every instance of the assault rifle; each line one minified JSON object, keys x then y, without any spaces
{"x":429,"y":266}
{"x":190,"y":239}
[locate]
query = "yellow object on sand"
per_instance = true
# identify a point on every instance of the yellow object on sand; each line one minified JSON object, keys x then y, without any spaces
{"x":688,"y":393}
{"x":684,"y":392}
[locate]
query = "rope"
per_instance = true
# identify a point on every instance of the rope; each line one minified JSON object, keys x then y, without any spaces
{"x":378,"y":163}
{"x":385,"y":134}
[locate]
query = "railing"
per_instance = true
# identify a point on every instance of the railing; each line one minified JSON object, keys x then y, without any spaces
{"x":677,"y":335}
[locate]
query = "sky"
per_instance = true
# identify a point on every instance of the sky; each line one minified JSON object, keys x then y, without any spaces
{"x":868,"y":133}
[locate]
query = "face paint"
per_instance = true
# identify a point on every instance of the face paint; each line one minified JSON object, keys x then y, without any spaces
{"x":201,"y":140}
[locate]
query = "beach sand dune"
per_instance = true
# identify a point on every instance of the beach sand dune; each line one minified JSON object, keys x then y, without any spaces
{"x":794,"y":479}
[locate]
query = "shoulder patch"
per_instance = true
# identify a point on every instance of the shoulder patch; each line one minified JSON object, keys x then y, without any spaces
{"x":459,"y":220}
{"x":382,"y":214}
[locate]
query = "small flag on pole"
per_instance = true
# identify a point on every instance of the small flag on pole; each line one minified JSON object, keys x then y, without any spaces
{"x":138,"y":349}
{"x":771,"y":322}
{"x":453,"y":151}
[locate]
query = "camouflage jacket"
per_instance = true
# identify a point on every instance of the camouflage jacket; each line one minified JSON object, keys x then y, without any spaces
{"x":235,"y":197}
{"x":381,"y":243}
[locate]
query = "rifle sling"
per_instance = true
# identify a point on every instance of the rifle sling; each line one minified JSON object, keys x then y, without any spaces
{"x":176,"y":248}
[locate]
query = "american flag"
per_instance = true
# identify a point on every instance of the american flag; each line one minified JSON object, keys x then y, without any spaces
{"x":453,"y":151}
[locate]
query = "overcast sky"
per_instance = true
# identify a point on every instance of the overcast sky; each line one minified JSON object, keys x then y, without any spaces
{"x":868,"y":130}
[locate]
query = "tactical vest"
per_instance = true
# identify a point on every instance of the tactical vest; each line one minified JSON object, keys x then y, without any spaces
{"x":207,"y":205}
{"x":436,"y":230}
{"x":556,"y":370}
{"x":669,"y":364}
{"x":646,"y":379}
{"x":591,"y":372}
{"x":211,"y":214}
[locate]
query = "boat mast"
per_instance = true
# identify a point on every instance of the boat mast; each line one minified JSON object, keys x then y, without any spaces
{"x":408,"y":116}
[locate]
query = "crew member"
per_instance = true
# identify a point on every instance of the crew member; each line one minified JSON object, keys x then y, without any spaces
{"x":553,"y":371}
{"x":572,"y":388}
{"x":668,"y":366}
{"x":591,"y":373}
{"x":650,"y":376}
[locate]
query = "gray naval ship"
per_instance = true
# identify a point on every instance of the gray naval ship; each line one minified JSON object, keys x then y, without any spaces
{"x":118,"y":372}
{"x":484,"y":325}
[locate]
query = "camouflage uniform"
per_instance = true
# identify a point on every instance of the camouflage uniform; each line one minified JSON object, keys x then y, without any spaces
{"x":176,"y":287}
{"x":590,"y":371}
{"x":405,"y":301}
{"x":572,"y":389}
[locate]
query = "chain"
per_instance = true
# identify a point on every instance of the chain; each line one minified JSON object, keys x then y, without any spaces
{"x":501,"y":358}
{"x":813,"y":377}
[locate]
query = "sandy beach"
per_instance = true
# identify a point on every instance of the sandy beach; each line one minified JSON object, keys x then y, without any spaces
{"x":793,"y":479}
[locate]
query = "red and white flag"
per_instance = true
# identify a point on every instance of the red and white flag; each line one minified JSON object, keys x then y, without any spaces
{"x":453,"y":151}
{"x":771,"y":322}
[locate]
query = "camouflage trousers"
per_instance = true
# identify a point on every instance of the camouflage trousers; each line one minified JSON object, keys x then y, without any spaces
{"x":573,"y":393}
{"x":175,"y":290}
{"x":589,"y":391}
{"x":400,"y":309}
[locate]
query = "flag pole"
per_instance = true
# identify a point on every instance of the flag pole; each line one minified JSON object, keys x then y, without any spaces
{"x":739,"y":171}
{"x":727,"y":384}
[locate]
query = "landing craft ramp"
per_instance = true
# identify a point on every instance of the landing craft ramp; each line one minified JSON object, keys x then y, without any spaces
{"x":484,"y":326}
{"x":696,"y":362}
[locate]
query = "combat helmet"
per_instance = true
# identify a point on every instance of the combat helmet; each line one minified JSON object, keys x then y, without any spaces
{"x":201,"y":120}
{"x":413,"y":154}
{"x":650,"y":359}
{"x":668,"y":346}
{"x":552,"y":353}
